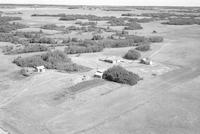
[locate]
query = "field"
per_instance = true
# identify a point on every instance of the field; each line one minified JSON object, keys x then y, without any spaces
{"x":165,"y":101}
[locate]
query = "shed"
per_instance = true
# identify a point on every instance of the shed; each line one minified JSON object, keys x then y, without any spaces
{"x":40,"y":69}
{"x":98,"y":74}
{"x":146,"y":61}
{"x":111,"y":59}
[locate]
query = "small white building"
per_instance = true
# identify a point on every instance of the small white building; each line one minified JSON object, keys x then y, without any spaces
{"x":40,"y":69}
{"x":98,"y":74}
{"x":111,"y":59}
{"x":146,"y":61}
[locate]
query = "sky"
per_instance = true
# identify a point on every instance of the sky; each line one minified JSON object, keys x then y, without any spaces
{"x":109,"y":2}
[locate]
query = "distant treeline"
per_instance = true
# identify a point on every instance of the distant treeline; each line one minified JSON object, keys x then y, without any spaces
{"x":182,"y":21}
{"x":111,"y":19}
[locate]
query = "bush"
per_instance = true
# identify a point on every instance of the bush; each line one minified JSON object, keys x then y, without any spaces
{"x":27,"y":34}
{"x":49,"y":15}
{"x":117,"y":9}
{"x":29,"y":61}
{"x":132,"y":55}
{"x":109,"y":43}
{"x":74,"y":39}
{"x":144,"y":20}
{"x":88,"y":17}
{"x":159,"y":15}
{"x":169,"y":15}
{"x":128,"y":14}
{"x":117,"y":22}
{"x":129,"y":41}
{"x":28,"y":49}
{"x":8,"y":27}
{"x":84,"y":47}
{"x":143,"y":47}
{"x":133,"y":26}
{"x":51,"y":60}
{"x":121,"y":33}
{"x":86,"y":23}
{"x":68,"y":18}
{"x":155,"y":39}
{"x":8,"y":18}
{"x":121,"y":75}
{"x":72,"y":28}
{"x":66,"y":40}
{"x":181,"y":21}
{"x":44,"y":40}
{"x":137,"y":39}
{"x":97,"y":37}
{"x":53,"y":27}
{"x":9,"y":37}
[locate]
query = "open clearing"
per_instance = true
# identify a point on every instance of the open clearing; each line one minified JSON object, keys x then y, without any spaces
{"x":54,"y":102}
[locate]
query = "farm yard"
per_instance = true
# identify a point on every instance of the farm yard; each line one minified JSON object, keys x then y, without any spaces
{"x":95,"y":70}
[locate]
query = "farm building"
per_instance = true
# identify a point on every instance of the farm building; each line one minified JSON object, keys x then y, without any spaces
{"x":112,"y":59}
{"x":98,"y":74}
{"x":146,"y":61}
{"x":40,"y":69}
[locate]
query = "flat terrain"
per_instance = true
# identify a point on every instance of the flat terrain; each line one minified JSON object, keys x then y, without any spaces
{"x":168,"y":103}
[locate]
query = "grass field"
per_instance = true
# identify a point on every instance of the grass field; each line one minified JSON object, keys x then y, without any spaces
{"x":166,"y":100}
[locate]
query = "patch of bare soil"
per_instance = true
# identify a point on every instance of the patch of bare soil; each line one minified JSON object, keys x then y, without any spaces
{"x":79,"y":87}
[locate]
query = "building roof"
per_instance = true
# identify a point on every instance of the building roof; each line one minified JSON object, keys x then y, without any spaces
{"x":99,"y":73}
{"x":40,"y":67}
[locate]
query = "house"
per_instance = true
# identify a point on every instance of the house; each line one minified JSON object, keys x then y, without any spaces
{"x":40,"y":69}
{"x":98,"y":74}
{"x":111,"y":59}
{"x":146,"y":61}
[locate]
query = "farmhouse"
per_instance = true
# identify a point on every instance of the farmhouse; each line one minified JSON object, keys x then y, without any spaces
{"x":40,"y":69}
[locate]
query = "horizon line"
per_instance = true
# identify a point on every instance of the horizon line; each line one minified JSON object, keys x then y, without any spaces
{"x":98,"y":5}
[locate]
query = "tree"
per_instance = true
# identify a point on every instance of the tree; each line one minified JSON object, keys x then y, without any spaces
{"x":143,"y":47}
{"x":121,"y":75}
{"x":132,"y":55}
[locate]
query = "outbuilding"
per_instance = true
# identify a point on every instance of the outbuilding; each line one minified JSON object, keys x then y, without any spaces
{"x":98,"y":74}
{"x":111,"y":59}
{"x":40,"y":69}
{"x":146,"y":61}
